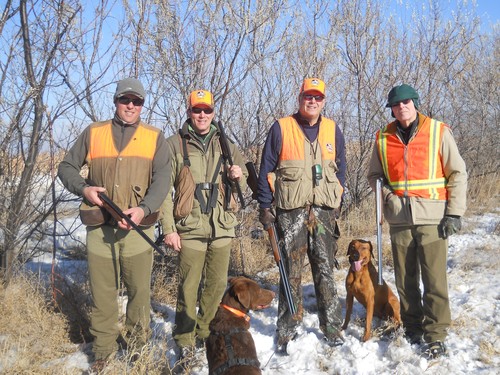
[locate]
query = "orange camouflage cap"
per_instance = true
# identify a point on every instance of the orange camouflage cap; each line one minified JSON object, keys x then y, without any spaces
{"x":313,"y":84}
{"x":201,"y":97}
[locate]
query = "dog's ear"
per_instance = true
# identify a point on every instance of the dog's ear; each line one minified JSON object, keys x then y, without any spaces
{"x":242,"y":293}
{"x":371,"y":248}
{"x":351,"y":244}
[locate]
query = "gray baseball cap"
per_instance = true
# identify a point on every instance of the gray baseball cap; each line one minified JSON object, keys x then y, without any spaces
{"x":129,"y":86}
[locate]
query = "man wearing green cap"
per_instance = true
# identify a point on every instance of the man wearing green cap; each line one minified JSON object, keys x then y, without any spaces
{"x":424,"y":191}
{"x":129,"y":161}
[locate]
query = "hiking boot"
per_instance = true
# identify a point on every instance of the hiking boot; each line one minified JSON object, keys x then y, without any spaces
{"x":413,"y":338}
{"x":184,"y":360}
{"x":186,"y":353}
{"x":433,"y":350}
{"x":282,"y":345}
{"x":200,"y":344}
{"x":334,"y":340}
{"x":98,"y":366}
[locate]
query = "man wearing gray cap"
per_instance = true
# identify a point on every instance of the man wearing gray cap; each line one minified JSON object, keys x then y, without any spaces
{"x":128,"y":160}
{"x":424,"y":191}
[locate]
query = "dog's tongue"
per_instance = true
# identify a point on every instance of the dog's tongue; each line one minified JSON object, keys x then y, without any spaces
{"x":356,"y":266}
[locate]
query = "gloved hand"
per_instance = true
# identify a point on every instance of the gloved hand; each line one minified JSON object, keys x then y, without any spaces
{"x":266,"y":217}
{"x":449,"y":225}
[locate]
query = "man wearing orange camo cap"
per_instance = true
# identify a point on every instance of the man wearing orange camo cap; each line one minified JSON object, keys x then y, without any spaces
{"x":303,"y":163}
{"x":199,"y":222}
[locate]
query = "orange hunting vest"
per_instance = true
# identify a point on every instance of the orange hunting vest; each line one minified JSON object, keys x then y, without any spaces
{"x":126,"y":175}
{"x":294,"y":186}
{"x":416,"y":169}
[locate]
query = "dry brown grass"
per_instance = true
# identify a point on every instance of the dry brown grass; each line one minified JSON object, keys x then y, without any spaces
{"x":165,"y":279}
{"x":483,"y":193}
{"x":33,"y":336}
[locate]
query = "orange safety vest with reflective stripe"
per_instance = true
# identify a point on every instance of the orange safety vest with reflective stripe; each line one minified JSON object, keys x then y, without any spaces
{"x":125,"y":174}
{"x":294,"y":185}
{"x":415,"y":169}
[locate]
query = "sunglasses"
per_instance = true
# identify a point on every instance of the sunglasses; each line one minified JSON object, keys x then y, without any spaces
{"x":136,"y":102}
{"x":405,"y":102}
{"x":197,"y":110}
{"x":309,"y":97}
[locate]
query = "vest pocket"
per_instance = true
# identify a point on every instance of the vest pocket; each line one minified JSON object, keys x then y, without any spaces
{"x":427,"y":211}
{"x":192,"y":220}
{"x":290,"y":188}
{"x":329,"y":192}
{"x":138,"y":192}
{"x":396,"y":211}
{"x":227,"y":219}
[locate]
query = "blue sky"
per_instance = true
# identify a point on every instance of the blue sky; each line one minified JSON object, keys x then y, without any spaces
{"x":489,"y":11}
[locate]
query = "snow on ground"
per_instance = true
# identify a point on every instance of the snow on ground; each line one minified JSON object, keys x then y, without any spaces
{"x":473,"y":342}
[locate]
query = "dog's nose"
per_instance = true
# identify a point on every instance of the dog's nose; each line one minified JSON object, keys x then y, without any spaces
{"x":355,"y":256}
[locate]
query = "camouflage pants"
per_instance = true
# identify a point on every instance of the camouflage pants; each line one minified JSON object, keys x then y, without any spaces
{"x":312,"y":232}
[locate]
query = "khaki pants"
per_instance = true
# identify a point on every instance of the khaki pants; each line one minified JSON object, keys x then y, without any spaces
{"x":208,"y":267}
{"x":113,"y":255}
{"x":420,"y":254}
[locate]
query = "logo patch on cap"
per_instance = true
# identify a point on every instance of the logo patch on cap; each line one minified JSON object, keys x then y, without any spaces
{"x":314,"y":82}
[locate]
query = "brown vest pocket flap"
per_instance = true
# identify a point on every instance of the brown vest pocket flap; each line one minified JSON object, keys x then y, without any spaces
{"x":93,"y":216}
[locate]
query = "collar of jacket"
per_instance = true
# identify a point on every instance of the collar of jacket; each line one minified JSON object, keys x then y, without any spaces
{"x":409,"y":132}
{"x":187,"y":131}
{"x":302,"y":121}
{"x":118,"y":121}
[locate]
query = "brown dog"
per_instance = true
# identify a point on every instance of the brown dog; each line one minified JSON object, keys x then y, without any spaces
{"x":230,"y":346}
{"x":362,"y":282}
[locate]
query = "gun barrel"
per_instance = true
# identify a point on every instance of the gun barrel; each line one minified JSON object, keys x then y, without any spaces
{"x":378,"y":203}
{"x":117,"y":209}
{"x":277,"y":249}
{"x":227,"y":154}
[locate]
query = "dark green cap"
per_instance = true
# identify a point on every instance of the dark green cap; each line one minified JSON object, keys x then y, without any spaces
{"x":400,"y":93}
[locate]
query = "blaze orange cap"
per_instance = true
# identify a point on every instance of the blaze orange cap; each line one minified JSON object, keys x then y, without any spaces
{"x":313,"y":84}
{"x":201,"y":97}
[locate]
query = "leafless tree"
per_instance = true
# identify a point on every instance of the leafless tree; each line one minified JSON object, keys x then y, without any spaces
{"x":42,"y":86}
{"x":60,"y":60}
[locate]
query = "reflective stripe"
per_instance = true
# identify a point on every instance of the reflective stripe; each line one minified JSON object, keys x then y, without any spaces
{"x":414,"y":169}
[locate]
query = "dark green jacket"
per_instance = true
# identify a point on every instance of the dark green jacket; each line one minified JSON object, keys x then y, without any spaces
{"x":218,"y":222}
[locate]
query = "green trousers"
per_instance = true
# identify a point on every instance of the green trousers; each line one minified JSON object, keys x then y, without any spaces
{"x":116,"y":255}
{"x":421,"y":255}
{"x":208,"y":267}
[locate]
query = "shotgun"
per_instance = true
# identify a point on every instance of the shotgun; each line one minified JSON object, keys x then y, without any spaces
{"x":277,"y":247}
{"x":118,"y":214}
{"x":378,"y":204}
{"x":226,"y":152}
{"x":276,"y":243}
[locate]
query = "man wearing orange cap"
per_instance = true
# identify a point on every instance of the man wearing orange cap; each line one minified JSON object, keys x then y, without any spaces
{"x":304,"y":163}
{"x":199,"y":222}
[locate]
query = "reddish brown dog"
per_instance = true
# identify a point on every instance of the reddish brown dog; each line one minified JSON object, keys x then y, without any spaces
{"x":230,"y":346}
{"x":362,"y":282}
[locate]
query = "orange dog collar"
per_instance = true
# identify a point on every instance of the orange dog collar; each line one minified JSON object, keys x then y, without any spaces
{"x":236,"y":312}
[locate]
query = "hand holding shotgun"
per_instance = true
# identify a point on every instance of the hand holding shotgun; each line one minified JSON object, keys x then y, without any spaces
{"x":226,"y":152}
{"x":123,"y":218}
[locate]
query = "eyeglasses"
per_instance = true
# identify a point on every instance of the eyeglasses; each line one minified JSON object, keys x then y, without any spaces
{"x":125,"y":101}
{"x":405,"y":102}
{"x":318,"y":98}
{"x":197,"y":110}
